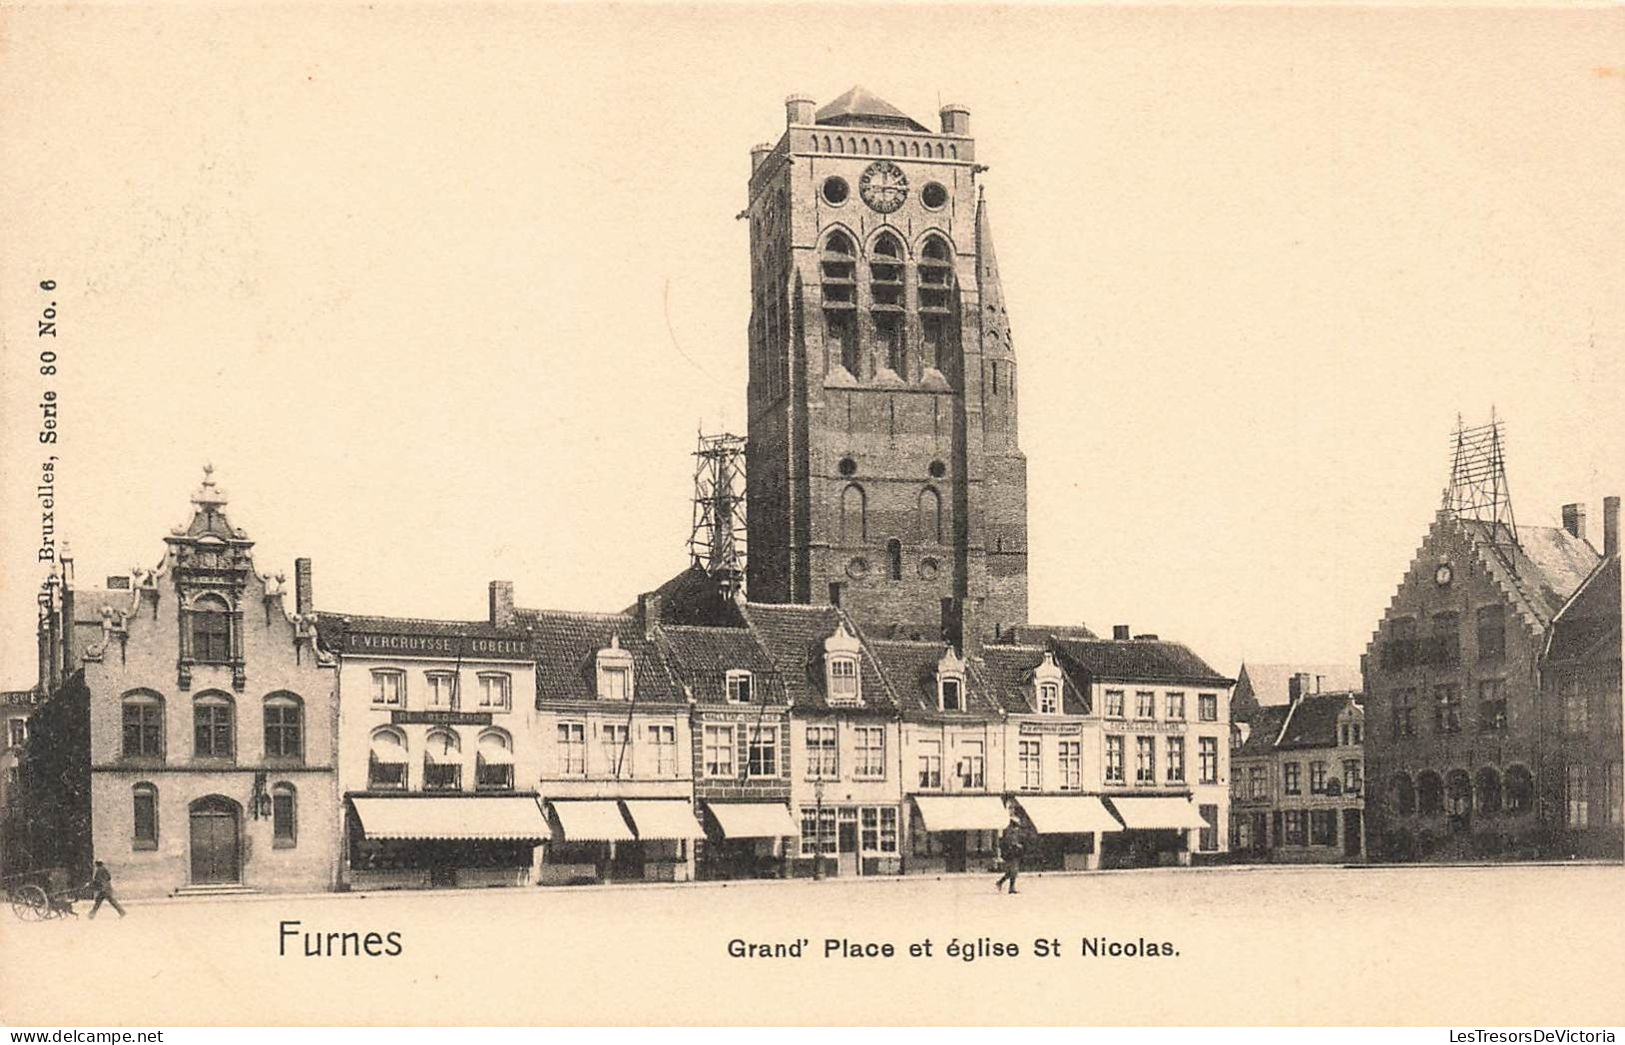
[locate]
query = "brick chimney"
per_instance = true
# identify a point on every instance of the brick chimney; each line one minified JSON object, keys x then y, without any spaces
{"x":1574,"y":520}
{"x":304,"y":597}
{"x":1610,"y":526}
{"x":648,"y":613}
{"x":1120,"y":632}
{"x":962,"y":626}
{"x":1299,"y":686}
{"x":835,"y":592}
{"x":502,"y":604}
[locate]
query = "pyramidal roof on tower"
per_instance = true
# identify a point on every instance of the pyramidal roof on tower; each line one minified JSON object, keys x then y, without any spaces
{"x":858,"y":108}
{"x":995,"y":320}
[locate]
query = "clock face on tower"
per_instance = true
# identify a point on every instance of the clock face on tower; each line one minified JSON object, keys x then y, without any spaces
{"x":883,"y":186}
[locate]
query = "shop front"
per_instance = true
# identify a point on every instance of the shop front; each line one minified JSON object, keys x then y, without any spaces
{"x":423,"y":842}
{"x":666,"y":832}
{"x":954,"y":834}
{"x":585,"y":841}
{"x":747,"y":840}
{"x":844,"y":841}
{"x":1158,"y":831}
{"x":1068,"y":829}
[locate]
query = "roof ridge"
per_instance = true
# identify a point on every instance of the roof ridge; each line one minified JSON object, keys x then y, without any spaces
{"x":587,"y":614}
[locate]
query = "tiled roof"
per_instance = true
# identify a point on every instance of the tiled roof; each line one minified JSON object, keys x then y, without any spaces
{"x":1137,"y":660}
{"x":1313,"y":721}
{"x":1038,"y":634}
{"x":334,"y":626}
{"x":568,"y":644}
{"x":1588,"y":627}
{"x":911,"y":670}
{"x":694,"y":597}
{"x":702,"y":657}
{"x":88,"y":603}
{"x":1007,"y":671}
{"x":1266,"y":727}
{"x":793,"y":636}
{"x":858,"y":108}
{"x":1547,"y":564}
{"x":1243,"y":699}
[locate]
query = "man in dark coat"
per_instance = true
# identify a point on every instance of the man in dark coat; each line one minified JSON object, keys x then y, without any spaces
{"x":1010,"y":847}
{"x":101,"y":888}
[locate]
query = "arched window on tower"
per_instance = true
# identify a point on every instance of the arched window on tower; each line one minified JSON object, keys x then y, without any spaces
{"x":854,"y":515}
{"x":936,"y":287}
{"x":894,"y":557}
{"x":839,"y":269}
{"x":886,"y":300}
{"x":930,"y":515}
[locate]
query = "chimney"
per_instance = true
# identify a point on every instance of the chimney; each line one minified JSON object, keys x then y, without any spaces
{"x":1574,"y":520}
{"x":648,"y":613}
{"x":835,"y":592}
{"x":1610,"y":526}
{"x":955,"y":119}
{"x":502,"y":604}
{"x":962,"y":626}
{"x":303,"y":599}
{"x":798,"y":110}
{"x":1120,"y":632}
{"x":1148,"y":636}
{"x":1297,"y":686}
{"x":758,"y":153}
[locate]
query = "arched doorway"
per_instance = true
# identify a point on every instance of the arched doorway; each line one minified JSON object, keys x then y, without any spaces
{"x":215,"y":844}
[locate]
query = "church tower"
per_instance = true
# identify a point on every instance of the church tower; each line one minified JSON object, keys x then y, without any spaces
{"x":883,"y":466}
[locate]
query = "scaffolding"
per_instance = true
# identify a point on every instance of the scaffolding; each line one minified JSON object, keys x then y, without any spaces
{"x":717,"y":540}
{"x":1478,"y":483}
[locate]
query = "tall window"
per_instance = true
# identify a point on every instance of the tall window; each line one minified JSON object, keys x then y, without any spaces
{"x":718,"y":751}
{"x":284,"y":817}
{"x":1145,"y":704}
{"x":1575,"y":706}
{"x":930,"y":518}
{"x":386,"y":768}
{"x":211,"y":630}
{"x":664,"y":739}
{"x":493,"y":768}
{"x":1114,"y":703}
{"x":1447,"y":637}
{"x":952,"y":694}
{"x":1258,"y":785}
{"x":936,"y":283}
{"x":1208,"y":840}
{"x":16,"y":732}
{"x":1404,"y":706}
{"x":1176,"y":707}
{"x":1317,"y":778}
{"x":840,"y":300}
{"x":388,"y":688}
{"x":1492,"y":633}
{"x":1520,"y":790}
{"x":871,"y":752}
{"x":1207,"y":707}
{"x":843,"y":679}
{"x":738,"y":684}
{"x":442,"y":690}
{"x":1352,"y":782}
{"x":1404,"y":795}
{"x":1291,"y":778}
{"x":212,"y":726}
{"x":764,"y":751}
{"x":143,"y":726}
{"x":1492,"y":707}
{"x":144,"y":820}
{"x":284,"y":727}
{"x":886,"y":301}
{"x":1071,"y":765}
{"x":616,"y":739}
{"x":894,"y":558}
{"x":1176,"y":760}
{"x":1575,"y":793}
{"x":1447,"y":708}
{"x":854,"y":515}
{"x":573,"y":748}
{"x":1114,"y":760}
{"x":1209,"y":755}
{"x":495,"y":692}
{"x":615,"y":681}
{"x":1294,"y":824}
{"x":1049,"y":698}
{"x":1030,"y":757}
{"x":930,"y":764}
{"x":443,"y":762}
{"x":821,"y":753}
{"x":1145,"y":760}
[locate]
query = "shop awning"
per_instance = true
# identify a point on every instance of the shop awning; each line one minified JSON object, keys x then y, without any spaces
{"x":663,"y":819}
{"x":592,"y":821}
{"x":754,"y":819}
{"x":389,"y":753}
{"x":501,"y":818}
{"x":962,"y":813}
{"x":496,"y":756}
{"x":1167,"y":813}
{"x":442,"y":756}
{"x":1067,"y":814}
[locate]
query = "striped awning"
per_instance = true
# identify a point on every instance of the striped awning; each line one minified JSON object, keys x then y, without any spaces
{"x":962,"y":812}
{"x":496,"y":818}
{"x":592,"y":820}
{"x":1158,"y":813}
{"x":1067,"y":814}
{"x":664,"y":820}
{"x":754,"y":819}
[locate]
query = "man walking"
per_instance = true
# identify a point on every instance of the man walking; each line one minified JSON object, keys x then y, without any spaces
{"x":1010,"y":853}
{"x":101,"y":888}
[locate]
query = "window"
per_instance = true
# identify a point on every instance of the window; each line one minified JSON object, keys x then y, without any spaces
{"x":1352,"y":782}
{"x":764,"y":751}
{"x":1257,"y":782}
{"x":1071,"y":765}
{"x":615,"y":740}
{"x":1404,"y":713}
{"x":1176,"y":707}
{"x":17,"y":732}
{"x":284,"y":817}
{"x":1575,"y":709}
{"x":388,"y":688}
{"x":1520,"y":790}
{"x":495,"y":692}
{"x":1293,"y":833}
{"x":443,"y":762}
{"x":1208,"y":840}
{"x":843,"y":680}
{"x":1145,"y":704}
{"x":1575,"y":795}
{"x":1492,"y":707}
{"x":1323,"y":827}
{"x":972,"y":765}
{"x":1446,"y":638}
{"x":143,"y":726}
{"x":442,"y":690}
{"x":1613,"y":785}
{"x":822,"y":762}
{"x":854,"y":513}
{"x":1492,"y":635}
{"x":1487,"y":791}
{"x":879,"y":829}
{"x":493,"y":768}
{"x":1241,"y":837}
{"x":817,"y":830}
{"x":615,"y":682}
{"x":951,"y":700}
{"x":718,"y":751}
{"x":284,"y":727}
{"x":144,"y":819}
{"x":871,"y":752}
{"x":1429,"y":794}
{"x":1030,"y":756}
{"x":738,"y":683}
{"x":1354,"y":733}
{"x":1145,"y":760}
{"x":212,"y":726}
{"x":1176,"y":760}
{"x":1317,"y":778}
{"x":1049,"y":698}
{"x":1207,"y":707}
{"x":1447,"y":708}
{"x":1114,"y":703}
{"x":1114,"y":760}
{"x":930,"y":764}
{"x":211,"y":630}
{"x":929,"y":524}
{"x":936,"y":319}
{"x":894,"y":558}
{"x":664,"y":739}
{"x":1404,"y":796}
{"x":1291,"y":782}
{"x":573,"y":748}
{"x":386,"y":768}
{"x":1209,"y":754}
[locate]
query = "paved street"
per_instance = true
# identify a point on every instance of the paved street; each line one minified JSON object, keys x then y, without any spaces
{"x":1470,"y":947}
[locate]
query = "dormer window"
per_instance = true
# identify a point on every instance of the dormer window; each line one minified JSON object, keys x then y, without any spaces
{"x":842,"y":680}
{"x":951,"y":681}
{"x":952,"y":694}
{"x":615,"y":680}
{"x":1047,"y":685}
{"x":1049,"y":698}
{"x":738,"y":683}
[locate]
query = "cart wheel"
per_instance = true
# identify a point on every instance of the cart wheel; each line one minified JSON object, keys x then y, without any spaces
{"x":30,"y":904}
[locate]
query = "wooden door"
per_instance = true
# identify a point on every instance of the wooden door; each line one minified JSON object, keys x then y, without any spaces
{"x":214,"y":842}
{"x":846,"y":844}
{"x":1351,"y":832}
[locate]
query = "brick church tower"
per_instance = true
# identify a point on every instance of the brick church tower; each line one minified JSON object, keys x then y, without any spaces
{"x":883,"y":465}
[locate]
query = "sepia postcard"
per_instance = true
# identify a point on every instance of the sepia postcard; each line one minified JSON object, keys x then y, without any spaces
{"x":816,"y":515}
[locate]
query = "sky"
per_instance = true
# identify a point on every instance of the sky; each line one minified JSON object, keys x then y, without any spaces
{"x":444,"y":294}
